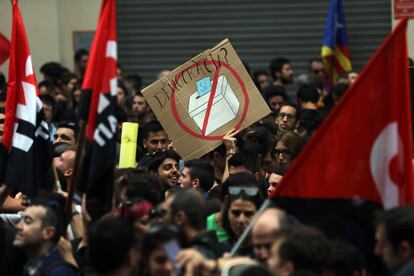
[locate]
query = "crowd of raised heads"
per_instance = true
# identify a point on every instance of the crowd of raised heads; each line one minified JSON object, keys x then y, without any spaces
{"x":176,"y":217}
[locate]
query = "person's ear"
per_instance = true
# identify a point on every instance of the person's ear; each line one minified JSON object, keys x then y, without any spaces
{"x":257,"y":176}
{"x":68,"y":173}
{"x":406,"y":250}
{"x":134,"y":257}
{"x":48,"y":232}
{"x":196,"y":183}
{"x":180,"y":218}
{"x":287,"y":268}
{"x":144,"y":142}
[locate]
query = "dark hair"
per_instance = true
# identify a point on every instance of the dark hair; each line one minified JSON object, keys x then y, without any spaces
{"x":71,"y":125}
{"x":248,"y":158}
{"x":144,"y":185}
{"x":158,"y":234}
{"x":255,"y":77}
{"x":53,"y":70}
{"x":50,"y":86}
{"x":47,"y":99}
{"x":276,"y":65}
{"x":203,"y":171}
{"x":241,"y":180}
{"x":308,"y":93}
{"x":193,"y":204}
{"x":275,"y":90}
{"x":110,"y":241}
{"x":136,"y":81}
{"x":312,"y":60}
{"x":310,"y":120}
{"x":55,"y":212}
{"x":345,"y":259}
{"x":158,"y":157}
{"x":339,"y":90}
{"x":151,"y":127}
{"x":399,"y":225}
{"x":67,"y":77}
{"x":3,"y":86}
{"x":305,"y":247}
{"x":123,"y":87}
{"x":80,"y":53}
{"x":292,"y":141}
{"x":293,"y":106}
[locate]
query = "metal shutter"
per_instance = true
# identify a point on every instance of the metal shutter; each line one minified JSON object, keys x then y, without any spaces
{"x":162,"y":34}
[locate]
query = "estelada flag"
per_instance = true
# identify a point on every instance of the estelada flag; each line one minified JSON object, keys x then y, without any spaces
{"x":26,"y":154}
{"x":4,"y":48}
{"x":335,"y":51}
{"x":363,"y":149}
{"x":97,"y":108}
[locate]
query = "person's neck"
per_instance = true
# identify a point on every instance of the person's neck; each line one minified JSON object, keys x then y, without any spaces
{"x":143,"y":118}
{"x":190,"y":233}
{"x":278,"y":82}
{"x":35,"y":253}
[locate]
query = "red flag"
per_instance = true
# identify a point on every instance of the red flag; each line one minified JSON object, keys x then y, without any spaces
{"x":363,"y":149}
{"x":4,"y":49}
{"x":98,"y":107}
{"x":26,"y":134}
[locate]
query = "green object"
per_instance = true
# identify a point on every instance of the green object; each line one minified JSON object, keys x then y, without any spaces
{"x":221,"y":234}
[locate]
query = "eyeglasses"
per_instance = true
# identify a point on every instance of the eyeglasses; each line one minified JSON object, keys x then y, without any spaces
{"x":236,"y":190}
{"x":290,"y":117}
{"x":237,"y":213}
{"x":285,"y":153}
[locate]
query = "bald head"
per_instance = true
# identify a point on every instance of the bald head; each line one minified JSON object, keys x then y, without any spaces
{"x":265,"y":231}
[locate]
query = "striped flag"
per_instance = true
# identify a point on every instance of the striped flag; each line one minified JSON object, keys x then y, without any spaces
{"x":26,"y":147}
{"x":335,"y":51}
{"x":97,"y":108}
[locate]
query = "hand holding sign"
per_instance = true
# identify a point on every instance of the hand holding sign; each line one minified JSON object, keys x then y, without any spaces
{"x":206,"y":98}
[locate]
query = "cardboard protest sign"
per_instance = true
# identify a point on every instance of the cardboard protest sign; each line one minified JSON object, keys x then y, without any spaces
{"x":199,"y":101}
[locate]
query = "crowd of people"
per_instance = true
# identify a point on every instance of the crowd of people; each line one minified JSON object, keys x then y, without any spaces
{"x":176,"y":217}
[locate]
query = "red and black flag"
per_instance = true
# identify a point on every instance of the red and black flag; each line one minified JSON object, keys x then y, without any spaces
{"x":97,"y":108}
{"x":26,"y":154}
{"x":369,"y":138}
{"x":360,"y":159}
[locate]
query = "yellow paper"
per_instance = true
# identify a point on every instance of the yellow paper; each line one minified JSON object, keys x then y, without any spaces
{"x":128,"y":145}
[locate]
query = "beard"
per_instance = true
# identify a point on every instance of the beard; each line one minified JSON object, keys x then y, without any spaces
{"x":287,"y":80}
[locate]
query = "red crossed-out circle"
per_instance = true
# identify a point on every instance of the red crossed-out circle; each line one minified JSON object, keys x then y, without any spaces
{"x":174,"y":108}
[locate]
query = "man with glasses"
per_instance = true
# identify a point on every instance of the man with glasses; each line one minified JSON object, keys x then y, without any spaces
{"x":286,"y":119}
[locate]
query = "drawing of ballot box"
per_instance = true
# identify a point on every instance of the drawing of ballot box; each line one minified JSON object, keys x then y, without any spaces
{"x":224,"y":107}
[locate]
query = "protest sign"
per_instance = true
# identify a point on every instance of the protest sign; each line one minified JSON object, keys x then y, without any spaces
{"x":128,"y":145}
{"x":199,"y":101}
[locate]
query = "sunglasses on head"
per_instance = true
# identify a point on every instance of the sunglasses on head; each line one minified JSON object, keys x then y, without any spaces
{"x":249,"y":191}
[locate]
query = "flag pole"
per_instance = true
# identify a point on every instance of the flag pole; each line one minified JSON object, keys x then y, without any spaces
{"x":76,"y":169}
{"x":249,"y":228}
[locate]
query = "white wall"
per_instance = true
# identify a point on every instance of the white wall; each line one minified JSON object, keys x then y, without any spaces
{"x":49,"y":27}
